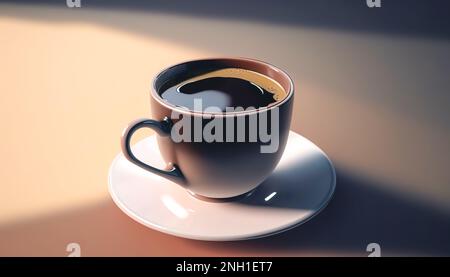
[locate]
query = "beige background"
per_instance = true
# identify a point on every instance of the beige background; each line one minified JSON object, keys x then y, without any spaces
{"x":70,"y":80}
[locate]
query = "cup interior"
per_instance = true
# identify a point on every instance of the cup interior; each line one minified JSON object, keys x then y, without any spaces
{"x":180,"y":72}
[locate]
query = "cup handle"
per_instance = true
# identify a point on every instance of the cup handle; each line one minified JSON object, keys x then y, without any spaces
{"x":163,"y":128}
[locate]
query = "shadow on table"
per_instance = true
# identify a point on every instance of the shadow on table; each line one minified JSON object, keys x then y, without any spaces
{"x":408,"y":17}
{"x":359,"y":214}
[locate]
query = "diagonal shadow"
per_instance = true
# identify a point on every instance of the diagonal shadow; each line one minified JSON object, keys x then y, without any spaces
{"x":359,"y":214}
{"x":407,"y":17}
{"x":334,"y":65}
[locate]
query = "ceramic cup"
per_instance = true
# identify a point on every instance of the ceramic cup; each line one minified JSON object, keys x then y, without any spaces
{"x":217,"y":170}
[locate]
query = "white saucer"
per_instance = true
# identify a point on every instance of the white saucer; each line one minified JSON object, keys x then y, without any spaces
{"x":299,"y":188}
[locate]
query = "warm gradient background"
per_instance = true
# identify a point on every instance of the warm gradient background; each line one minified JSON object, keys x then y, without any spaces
{"x":372,"y":91}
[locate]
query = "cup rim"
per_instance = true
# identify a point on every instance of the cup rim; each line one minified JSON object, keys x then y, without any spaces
{"x":186,"y":111}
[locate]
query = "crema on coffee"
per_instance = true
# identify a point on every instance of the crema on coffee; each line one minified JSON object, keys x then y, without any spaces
{"x":224,"y":88}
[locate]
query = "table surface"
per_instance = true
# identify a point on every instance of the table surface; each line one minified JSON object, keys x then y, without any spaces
{"x":376,"y":103}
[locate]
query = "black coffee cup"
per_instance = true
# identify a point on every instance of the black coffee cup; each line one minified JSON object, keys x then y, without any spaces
{"x":217,"y":170}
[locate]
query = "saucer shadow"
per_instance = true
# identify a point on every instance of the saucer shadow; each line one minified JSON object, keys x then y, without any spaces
{"x":305,"y":183}
{"x":359,"y":214}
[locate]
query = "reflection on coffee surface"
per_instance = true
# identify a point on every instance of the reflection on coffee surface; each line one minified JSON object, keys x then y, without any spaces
{"x":229,"y":87}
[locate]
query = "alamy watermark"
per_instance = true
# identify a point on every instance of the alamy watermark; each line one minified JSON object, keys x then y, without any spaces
{"x":77,"y":3}
{"x":373,"y":3}
{"x":257,"y":125}
{"x":374,"y":249}
{"x":73,"y":3}
{"x":74,"y":249}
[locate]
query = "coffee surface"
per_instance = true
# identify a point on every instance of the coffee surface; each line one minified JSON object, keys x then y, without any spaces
{"x":229,"y":87}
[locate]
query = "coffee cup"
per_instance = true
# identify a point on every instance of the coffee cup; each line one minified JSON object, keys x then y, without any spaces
{"x":217,"y":154}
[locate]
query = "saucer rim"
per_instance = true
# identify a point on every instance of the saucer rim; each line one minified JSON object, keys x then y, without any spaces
{"x":278,"y":230}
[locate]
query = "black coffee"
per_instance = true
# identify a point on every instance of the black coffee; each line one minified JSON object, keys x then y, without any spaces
{"x":224,"y":88}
